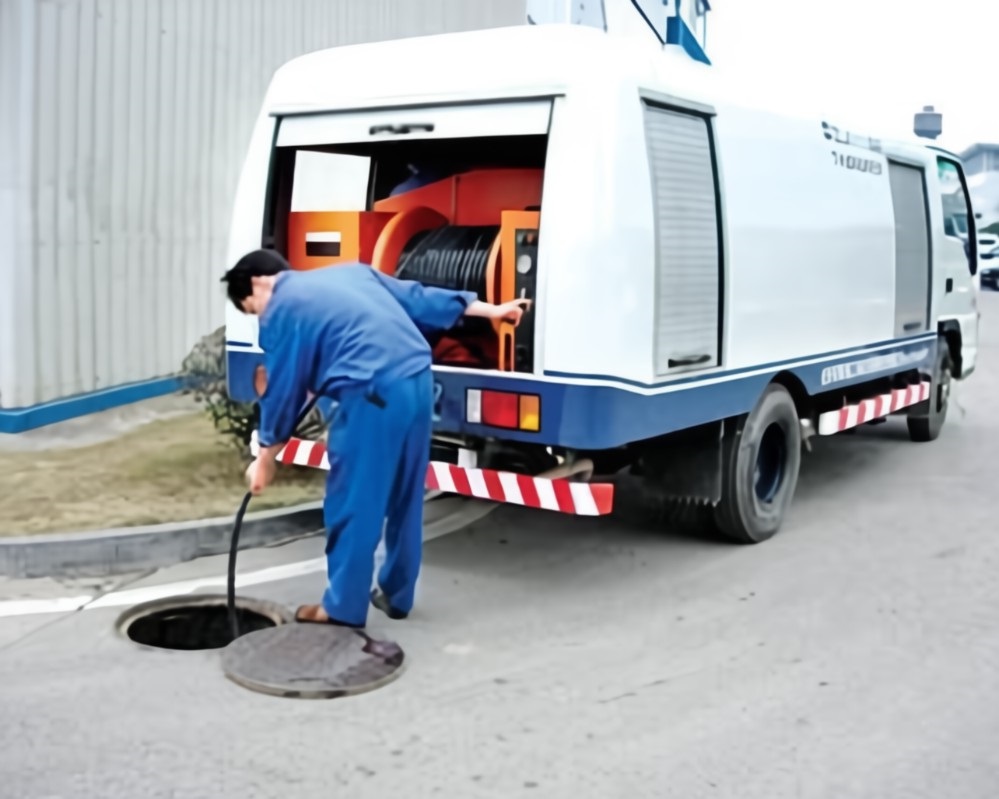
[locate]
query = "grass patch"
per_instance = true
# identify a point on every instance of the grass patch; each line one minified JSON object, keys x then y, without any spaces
{"x":172,"y":470}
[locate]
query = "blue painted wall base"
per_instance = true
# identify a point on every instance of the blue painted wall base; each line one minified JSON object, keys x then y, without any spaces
{"x":19,"y":420}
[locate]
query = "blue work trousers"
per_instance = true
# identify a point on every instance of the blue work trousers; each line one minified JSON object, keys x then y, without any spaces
{"x":379,"y":450}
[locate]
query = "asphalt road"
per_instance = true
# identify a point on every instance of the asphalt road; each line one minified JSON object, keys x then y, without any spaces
{"x":851,"y":657}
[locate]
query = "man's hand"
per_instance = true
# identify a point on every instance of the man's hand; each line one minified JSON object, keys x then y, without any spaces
{"x":512,"y":311}
{"x":507,"y":312}
{"x":260,"y":474}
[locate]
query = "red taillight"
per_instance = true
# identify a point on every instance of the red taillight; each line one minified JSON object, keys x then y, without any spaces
{"x":500,"y":409}
{"x":504,"y":409}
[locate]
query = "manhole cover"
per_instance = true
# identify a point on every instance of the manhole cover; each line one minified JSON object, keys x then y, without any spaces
{"x":314,"y":661}
{"x":196,"y":621}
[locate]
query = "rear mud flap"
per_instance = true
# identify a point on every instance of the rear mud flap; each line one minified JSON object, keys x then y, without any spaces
{"x":687,"y":465}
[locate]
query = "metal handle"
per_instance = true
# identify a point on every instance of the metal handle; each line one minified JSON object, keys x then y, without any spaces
{"x":374,"y":130}
{"x":689,"y":360}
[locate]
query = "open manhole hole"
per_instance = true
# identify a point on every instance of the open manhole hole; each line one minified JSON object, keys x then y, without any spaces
{"x":197,"y":622}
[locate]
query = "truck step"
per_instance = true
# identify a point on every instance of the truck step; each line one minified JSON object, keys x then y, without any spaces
{"x":867,"y":410}
{"x":561,"y":495}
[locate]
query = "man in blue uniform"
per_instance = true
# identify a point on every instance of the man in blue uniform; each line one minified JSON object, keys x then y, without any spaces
{"x":355,"y":335}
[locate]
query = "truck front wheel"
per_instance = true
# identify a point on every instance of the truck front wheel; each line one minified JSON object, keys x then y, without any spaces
{"x":761,"y":459}
{"x":927,"y":427}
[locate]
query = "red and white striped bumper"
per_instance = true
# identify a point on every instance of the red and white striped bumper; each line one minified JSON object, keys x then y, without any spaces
{"x":875,"y":408}
{"x":564,"y":496}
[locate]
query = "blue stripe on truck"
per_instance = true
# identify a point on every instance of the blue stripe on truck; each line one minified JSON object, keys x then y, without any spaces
{"x":594,"y":417}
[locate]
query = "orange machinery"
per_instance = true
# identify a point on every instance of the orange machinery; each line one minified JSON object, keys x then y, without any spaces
{"x":488,"y":216}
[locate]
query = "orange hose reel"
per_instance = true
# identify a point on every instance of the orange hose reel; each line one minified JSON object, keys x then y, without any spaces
{"x":379,"y":237}
{"x":512,"y":223}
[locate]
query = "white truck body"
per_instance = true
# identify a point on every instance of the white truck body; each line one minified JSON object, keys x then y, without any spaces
{"x":692,"y":249}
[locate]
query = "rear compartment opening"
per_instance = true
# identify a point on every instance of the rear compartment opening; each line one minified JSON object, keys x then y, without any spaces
{"x":457,"y":212}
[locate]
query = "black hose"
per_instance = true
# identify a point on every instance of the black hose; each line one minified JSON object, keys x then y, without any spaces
{"x":233,"y":547}
{"x":238,"y":525}
{"x":451,"y":257}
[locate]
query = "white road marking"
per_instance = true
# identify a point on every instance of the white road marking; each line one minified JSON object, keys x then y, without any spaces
{"x":136,"y":596}
{"x":464,"y":513}
{"x":30,"y":607}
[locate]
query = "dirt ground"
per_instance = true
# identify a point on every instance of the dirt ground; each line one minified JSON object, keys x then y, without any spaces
{"x":168,"y":470}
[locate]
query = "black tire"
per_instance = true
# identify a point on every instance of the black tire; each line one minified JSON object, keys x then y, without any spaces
{"x":927,"y":427}
{"x":760,"y":463}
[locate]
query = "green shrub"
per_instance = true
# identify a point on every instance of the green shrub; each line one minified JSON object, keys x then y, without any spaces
{"x":203,"y":375}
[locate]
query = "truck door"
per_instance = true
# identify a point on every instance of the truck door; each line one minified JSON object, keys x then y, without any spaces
{"x":912,"y":249}
{"x":688,"y":239}
{"x":957,"y":252}
{"x":955,"y":258}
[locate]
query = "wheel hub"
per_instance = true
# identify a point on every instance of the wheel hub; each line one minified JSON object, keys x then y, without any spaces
{"x":768,"y":474}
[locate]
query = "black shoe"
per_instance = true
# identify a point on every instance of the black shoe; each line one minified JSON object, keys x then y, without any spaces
{"x":380,"y":601}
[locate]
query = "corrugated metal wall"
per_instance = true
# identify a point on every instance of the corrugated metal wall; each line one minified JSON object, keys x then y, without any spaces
{"x":128,"y":121}
{"x":16,"y":130}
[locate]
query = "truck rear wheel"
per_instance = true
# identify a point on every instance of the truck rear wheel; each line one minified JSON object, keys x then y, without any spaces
{"x":760,"y":463}
{"x":927,"y":427}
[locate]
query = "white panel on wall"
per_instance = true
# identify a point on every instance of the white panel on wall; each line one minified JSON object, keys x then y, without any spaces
{"x":16,"y":192}
{"x":142,"y":112}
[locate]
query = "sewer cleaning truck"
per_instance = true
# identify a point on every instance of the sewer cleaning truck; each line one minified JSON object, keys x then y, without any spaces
{"x":713,"y":283}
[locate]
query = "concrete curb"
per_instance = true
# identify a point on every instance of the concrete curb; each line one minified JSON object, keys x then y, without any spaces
{"x":131,"y":549}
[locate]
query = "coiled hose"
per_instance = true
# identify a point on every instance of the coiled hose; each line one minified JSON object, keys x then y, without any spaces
{"x":450,"y":257}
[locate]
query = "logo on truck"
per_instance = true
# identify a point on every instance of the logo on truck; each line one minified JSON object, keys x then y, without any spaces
{"x":835,"y":134}
{"x":854,"y":163}
{"x":857,"y":164}
{"x":870,"y":366}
